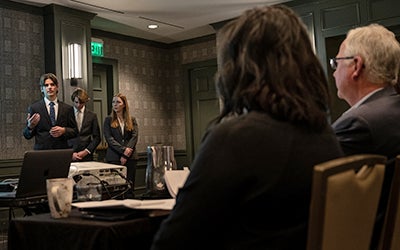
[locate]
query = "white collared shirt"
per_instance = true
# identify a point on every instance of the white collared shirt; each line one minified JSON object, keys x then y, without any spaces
{"x":122,"y":125}
{"x":77,"y":111}
{"x":362,"y":100}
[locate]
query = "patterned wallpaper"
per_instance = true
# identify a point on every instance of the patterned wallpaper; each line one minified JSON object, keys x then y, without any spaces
{"x":151,"y":80}
{"x":21,"y":64}
{"x":150,"y":77}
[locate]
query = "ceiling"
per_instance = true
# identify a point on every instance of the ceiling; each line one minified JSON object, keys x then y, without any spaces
{"x":178,"y":20}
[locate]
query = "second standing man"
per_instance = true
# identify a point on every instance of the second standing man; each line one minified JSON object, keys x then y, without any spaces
{"x":89,"y":136}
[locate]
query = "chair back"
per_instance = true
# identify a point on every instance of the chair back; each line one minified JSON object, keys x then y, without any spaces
{"x":344,"y":202}
{"x":390,"y":237}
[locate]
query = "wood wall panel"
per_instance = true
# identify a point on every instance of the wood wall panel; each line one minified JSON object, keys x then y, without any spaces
{"x":340,"y":16}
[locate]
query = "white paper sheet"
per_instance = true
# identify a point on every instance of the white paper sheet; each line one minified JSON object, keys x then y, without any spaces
{"x":175,"y":179}
{"x":164,"y":204}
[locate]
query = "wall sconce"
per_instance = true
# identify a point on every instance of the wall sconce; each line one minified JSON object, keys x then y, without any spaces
{"x":75,"y":60}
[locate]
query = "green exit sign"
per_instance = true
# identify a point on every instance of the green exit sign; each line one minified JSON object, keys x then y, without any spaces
{"x":97,"y":49}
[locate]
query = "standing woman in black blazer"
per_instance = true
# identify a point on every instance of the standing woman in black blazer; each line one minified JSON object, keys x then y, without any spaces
{"x":121,"y":133}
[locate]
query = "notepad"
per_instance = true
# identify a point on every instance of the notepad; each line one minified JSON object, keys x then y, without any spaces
{"x":175,"y":179}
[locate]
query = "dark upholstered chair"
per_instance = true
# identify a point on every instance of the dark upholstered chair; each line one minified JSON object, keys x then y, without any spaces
{"x":390,"y":238}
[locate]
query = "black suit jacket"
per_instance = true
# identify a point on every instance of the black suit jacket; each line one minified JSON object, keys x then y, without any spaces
{"x":118,"y":142}
{"x":89,"y":136}
{"x":43,"y":139}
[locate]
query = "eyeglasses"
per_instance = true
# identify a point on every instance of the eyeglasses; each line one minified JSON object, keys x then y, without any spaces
{"x":333,"y":61}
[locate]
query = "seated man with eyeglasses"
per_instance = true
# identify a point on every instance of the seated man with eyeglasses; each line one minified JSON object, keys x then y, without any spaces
{"x":366,"y":70}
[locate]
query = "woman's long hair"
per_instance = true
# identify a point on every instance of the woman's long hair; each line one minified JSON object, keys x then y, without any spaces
{"x":267,"y":63}
{"x":126,"y":115}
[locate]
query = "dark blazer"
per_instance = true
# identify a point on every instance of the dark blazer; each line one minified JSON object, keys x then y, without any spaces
{"x":89,"y":136}
{"x":43,"y":139}
{"x":249,"y":187}
{"x":373,"y":127}
{"x":118,"y":142}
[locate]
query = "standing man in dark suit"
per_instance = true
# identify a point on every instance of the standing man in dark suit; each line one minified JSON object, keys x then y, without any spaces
{"x":89,"y":137}
{"x":366,"y":71}
{"x":50,"y":133}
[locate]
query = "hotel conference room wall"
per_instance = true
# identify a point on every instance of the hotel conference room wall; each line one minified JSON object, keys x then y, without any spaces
{"x":150,"y":76}
{"x":21,"y":64}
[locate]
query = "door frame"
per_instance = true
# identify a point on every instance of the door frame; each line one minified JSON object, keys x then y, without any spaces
{"x":112,"y":77}
{"x":112,"y":88}
{"x":187,"y":68}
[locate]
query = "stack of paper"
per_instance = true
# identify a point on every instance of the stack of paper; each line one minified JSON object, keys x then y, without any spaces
{"x":174,"y":180}
{"x":164,"y":204}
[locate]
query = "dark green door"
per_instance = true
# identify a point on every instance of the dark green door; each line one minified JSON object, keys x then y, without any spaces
{"x":205,"y":104}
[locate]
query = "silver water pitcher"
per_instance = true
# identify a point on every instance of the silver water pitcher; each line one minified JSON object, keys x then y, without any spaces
{"x":169,"y":158}
{"x":159,"y":159}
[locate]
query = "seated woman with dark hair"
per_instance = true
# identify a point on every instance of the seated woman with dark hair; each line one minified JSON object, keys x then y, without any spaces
{"x":250,"y":182}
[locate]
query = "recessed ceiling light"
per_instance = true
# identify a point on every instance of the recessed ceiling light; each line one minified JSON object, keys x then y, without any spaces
{"x":152,"y":26}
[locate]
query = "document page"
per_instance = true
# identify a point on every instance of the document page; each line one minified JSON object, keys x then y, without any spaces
{"x":164,"y":204}
{"x":175,"y":179}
